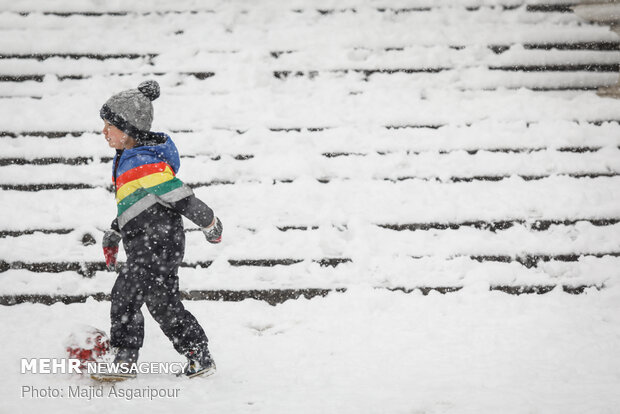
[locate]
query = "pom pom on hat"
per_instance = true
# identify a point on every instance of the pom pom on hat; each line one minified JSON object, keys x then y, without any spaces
{"x":150,"y":89}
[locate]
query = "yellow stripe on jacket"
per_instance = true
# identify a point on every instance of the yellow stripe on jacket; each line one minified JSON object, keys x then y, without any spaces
{"x":148,"y":181}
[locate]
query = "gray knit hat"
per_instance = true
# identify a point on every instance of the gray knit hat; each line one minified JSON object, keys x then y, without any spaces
{"x":131,"y":111}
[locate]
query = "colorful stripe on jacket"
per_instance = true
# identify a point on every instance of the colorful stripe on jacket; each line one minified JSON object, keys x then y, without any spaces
{"x":146,"y":176}
{"x":141,"y":187}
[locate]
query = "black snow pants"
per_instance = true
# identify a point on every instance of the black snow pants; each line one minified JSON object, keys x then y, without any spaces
{"x":155,"y":243}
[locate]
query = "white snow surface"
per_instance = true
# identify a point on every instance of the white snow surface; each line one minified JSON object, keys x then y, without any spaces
{"x":336,"y":151}
{"x":365,"y":351}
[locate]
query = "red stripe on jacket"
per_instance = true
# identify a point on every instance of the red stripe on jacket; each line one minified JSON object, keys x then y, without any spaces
{"x":141,"y":171}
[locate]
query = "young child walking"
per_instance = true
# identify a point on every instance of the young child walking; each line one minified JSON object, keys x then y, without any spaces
{"x":150,"y":202}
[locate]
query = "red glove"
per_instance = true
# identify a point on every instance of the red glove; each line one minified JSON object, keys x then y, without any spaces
{"x":111,"y":239}
{"x":110,"y":254}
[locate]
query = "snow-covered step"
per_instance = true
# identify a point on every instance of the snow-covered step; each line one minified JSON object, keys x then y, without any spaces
{"x":271,"y":296}
{"x":400,"y":273}
{"x":309,"y":202}
{"x":87,"y":238}
{"x":64,"y":66}
{"x":38,"y":78}
{"x":68,"y":59}
{"x":322,"y":8}
{"x":243,"y":15}
{"x":374,"y":107}
{"x":163,"y":6}
{"x":454,"y":166}
{"x":435,"y":57}
{"x":566,"y":78}
{"x":311,"y":11}
{"x":582,"y":238}
{"x":323,"y":180}
{"x":342,"y":83}
{"x":279,"y":296}
{"x":233,"y":142}
{"x":397,"y":272}
{"x":415,"y":58}
{"x":206,"y":63}
{"x":85,"y":160}
{"x":352,"y":242}
{"x":365,"y":62}
{"x":292,"y":31}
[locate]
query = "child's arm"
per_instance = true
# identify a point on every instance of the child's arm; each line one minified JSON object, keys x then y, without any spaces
{"x":161,"y":182}
{"x":195,"y":210}
{"x":201,"y":214}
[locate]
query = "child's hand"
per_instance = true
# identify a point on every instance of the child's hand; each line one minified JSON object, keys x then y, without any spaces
{"x":110,"y":243}
{"x":110,"y":254}
{"x":213,"y":233}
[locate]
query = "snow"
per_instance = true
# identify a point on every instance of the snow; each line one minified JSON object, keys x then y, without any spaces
{"x":393,"y":166}
{"x":302,"y":105}
{"x":367,"y":202}
{"x":303,"y":125}
{"x":364,"y":351}
{"x":273,"y":26}
{"x":347,"y":240}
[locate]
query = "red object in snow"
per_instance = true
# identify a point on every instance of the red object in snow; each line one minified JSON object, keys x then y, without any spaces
{"x":88,"y":344}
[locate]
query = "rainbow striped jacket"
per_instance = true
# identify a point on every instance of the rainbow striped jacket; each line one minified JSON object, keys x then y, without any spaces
{"x":146,"y":175}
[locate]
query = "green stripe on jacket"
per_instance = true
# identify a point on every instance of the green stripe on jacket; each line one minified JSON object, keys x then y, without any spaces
{"x":140,"y":193}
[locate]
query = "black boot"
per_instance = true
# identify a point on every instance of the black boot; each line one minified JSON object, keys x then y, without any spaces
{"x":199,"y":363}
{"x":122,"y":368}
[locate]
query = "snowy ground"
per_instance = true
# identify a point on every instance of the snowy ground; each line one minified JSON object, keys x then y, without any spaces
{"x":286,"y":125}
{"x":365,"y":351}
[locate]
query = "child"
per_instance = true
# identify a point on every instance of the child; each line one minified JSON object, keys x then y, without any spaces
{"x":150,"y":202}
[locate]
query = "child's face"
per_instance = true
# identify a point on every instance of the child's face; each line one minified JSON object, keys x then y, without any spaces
{"x":116,"y":138}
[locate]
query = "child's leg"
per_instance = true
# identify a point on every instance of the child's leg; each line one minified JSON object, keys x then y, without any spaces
{"x":178,"y":324}
{"x":127,"y":321}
